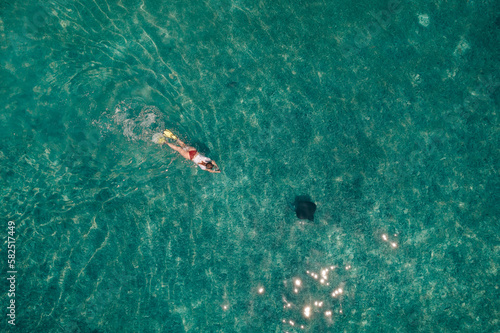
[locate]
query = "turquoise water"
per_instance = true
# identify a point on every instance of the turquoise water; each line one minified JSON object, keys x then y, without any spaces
{"x":385,"y":113}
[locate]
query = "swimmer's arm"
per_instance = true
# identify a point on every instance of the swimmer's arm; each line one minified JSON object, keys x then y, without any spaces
{"x":213,"y":171}
{"x":213,"y":162}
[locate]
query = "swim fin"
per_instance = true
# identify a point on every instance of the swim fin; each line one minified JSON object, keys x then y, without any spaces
{"x":169,"y":134}
{"x":159,"y":138}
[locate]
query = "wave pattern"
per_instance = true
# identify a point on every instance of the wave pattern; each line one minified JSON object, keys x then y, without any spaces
{"x":388,"y":124}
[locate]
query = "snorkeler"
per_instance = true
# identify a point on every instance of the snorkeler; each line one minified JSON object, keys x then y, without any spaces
{"x":190,"y":153}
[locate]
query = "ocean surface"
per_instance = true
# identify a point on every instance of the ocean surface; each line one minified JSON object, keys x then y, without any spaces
{"x":385,"y":113}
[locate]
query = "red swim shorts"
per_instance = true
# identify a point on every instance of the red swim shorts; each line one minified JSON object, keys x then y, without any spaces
{"x":192,"y":154}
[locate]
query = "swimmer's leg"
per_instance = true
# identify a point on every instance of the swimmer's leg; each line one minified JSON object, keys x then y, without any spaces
{"x":182,"y":144}
{"x":180,"y":150}
{"x":185,"y":146}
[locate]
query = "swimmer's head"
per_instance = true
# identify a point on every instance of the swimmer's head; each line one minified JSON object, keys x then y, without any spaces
{"x":209,"y":166}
